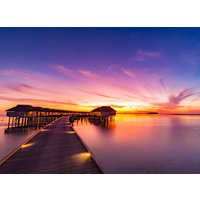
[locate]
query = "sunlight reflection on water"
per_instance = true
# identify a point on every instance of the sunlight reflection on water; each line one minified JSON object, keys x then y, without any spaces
{"x":145,"y":143}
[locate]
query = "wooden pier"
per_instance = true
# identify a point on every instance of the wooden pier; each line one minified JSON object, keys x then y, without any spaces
{"x":56,"y":149}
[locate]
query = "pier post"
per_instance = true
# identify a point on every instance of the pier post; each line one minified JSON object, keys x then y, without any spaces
{"x":24,"y":121}
{"x":12,"y":121}
{"x":15,"y":121}
{"x":27,"y":121}
{"x":36,"y":121}
{"x":9,"y":122}
{"x":22,"y":124}
{"x":18,"y":122}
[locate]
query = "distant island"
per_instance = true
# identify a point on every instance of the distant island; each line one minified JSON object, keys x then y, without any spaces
{"x":152,"y":113}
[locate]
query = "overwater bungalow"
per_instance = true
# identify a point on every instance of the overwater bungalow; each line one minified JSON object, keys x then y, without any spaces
{"x":27,"y":115}
{"x":104,"y":111}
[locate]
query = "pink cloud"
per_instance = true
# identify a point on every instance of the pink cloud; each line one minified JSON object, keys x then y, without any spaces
{"x":19,"y":87}
{"x":76,"y":74}
{"x":175,"y":100}
{"x":62,"y":69}
{"x":142,"y":55}
{"x":142,"y":90}
{"x":37,"y":101}
{"x":22,"y":88}
{"x":88,"y":73}
{"x":32,"y":78}
{"x":128,"y":72}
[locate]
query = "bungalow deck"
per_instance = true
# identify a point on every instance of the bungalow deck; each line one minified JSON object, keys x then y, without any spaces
{"x":55,"y":150}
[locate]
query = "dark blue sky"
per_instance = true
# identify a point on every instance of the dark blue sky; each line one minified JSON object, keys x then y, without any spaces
{"x":88,"y":47}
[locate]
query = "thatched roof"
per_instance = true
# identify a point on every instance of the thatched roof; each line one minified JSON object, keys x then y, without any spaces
{"x":28,"y":108}
{"x":104,"y":109}
{"x":21,"y":108}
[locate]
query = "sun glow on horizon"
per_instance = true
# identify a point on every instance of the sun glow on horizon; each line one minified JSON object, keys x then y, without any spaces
{"x":122,"y":96}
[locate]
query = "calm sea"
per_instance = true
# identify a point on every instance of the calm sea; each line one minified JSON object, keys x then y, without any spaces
{"x":10,"y":140}
{"x":136,"y":143}
{"x":131,"y":143}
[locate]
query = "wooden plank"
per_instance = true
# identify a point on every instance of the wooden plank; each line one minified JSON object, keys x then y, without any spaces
{"x":52,"y":151}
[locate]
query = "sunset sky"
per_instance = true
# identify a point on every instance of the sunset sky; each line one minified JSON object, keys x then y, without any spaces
{"x":130,"y":69}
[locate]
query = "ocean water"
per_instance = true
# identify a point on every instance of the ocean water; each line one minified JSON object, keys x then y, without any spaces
{"x":141,"y":144}
{"x":11,"y":139}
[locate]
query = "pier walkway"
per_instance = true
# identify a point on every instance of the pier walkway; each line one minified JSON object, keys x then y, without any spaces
{"x":55,"y":150}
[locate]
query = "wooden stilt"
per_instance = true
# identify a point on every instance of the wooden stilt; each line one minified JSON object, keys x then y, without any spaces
{"x":22,"y":121}
{"x":18,"y":122}
{"x":12,"y":121}
{"x":9,"y":122}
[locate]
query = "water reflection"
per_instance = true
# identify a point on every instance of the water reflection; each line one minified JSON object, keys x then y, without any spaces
{"x":182,"y":125}
{"x":104,"y":122}
{"x":145,"y":143}
{"x":20,"y":130}
{"x":13,"y":137}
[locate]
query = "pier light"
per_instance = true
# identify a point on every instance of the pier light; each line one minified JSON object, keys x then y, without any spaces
{"x":82,"y":157}
{"x":88,"y":154}
{"x":27,"y":145}
{"x":44,"y":130}
{"x":70,"y":132}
